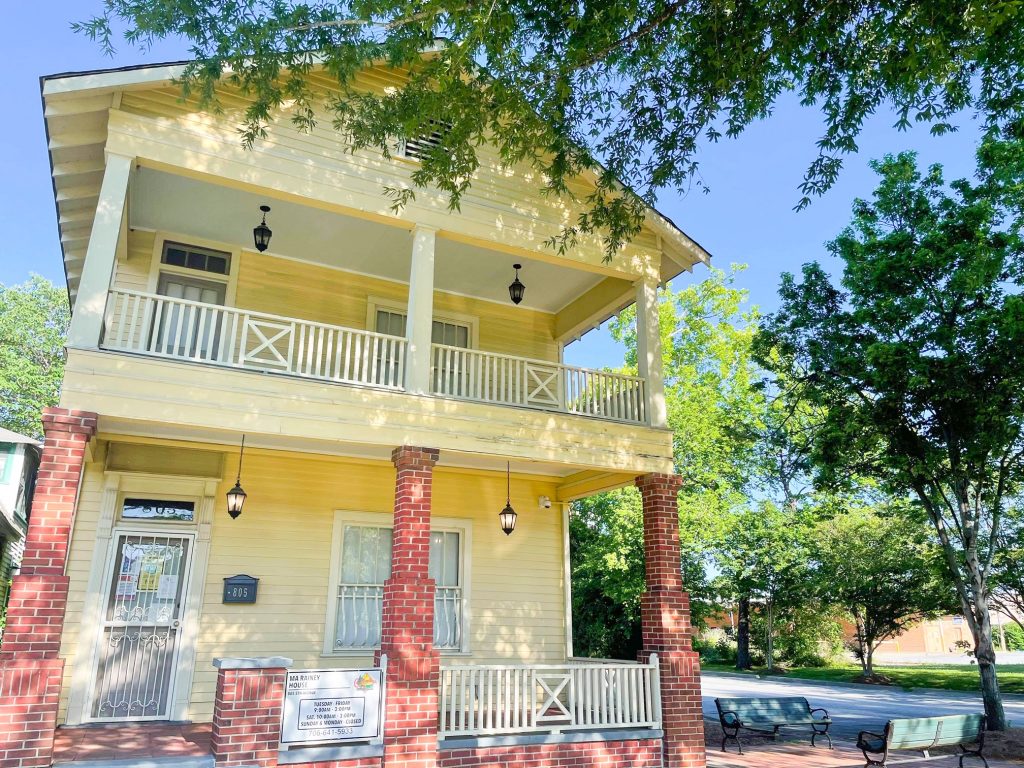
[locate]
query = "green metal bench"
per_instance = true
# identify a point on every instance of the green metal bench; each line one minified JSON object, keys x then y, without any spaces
{"x":768,"y":715}
{"x":924,"y":734}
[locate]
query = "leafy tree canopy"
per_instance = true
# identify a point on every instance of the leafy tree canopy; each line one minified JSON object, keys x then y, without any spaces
{"x":916,"y":362}
{"x":635,"y":85}
{"x":33,"y":325}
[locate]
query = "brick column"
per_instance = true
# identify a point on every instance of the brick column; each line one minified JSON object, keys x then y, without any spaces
{"x":30,"y":670}
{"x":247,"y":711}
{"x":407,"y":630}
{"x":665,"y":612}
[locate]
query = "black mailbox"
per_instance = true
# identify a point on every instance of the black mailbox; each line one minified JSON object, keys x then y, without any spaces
{"x":240,"y":589}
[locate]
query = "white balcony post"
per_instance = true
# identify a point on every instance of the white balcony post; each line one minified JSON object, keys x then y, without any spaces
{"x":90,"y":302}
{"x":420,"y":318}
{"x":648,"y":351}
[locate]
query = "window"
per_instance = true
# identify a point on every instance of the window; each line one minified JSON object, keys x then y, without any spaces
{"x":186,"y":329}
{"x":158,"y":509}
{"x":365,"y":566}
{"x":6,"y":462}
{"x":193,"y":257}
{"x":442,"y":331}
{"x":415,"y":148}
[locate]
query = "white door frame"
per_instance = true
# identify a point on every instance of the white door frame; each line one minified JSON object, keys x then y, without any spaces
{"x":117,"y":485}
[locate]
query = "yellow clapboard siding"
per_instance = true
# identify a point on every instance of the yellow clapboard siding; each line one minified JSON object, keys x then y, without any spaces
{"x":285,"y":535}
{"x":266,"y":284}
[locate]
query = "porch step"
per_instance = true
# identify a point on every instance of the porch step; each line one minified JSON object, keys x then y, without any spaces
{"x":205,"y":761}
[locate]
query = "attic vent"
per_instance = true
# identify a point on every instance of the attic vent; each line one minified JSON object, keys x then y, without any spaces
{"x":417,"y":147}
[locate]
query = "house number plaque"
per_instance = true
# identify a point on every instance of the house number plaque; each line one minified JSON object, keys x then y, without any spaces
{"x":240,"y":589}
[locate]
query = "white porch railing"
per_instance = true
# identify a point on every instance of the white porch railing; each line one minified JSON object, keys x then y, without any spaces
{"x":359,"y":617}
{"x":210,"y":333}
{"x":469,"y":374}
{"x":484,"y":700}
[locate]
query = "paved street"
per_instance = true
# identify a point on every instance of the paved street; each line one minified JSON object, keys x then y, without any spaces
{"x":854,"y":708}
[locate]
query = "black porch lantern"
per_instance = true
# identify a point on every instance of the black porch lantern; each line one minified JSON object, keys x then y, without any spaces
{"x":516,"y":289}
{"x":261,"y":232}
{"x":236,"y":496}
{"x":507,"y":516}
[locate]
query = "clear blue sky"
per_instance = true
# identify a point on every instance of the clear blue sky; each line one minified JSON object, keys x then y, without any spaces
{"x":747,"y":217}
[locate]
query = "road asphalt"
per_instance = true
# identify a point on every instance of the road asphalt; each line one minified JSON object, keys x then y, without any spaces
{"x":854,"y":707}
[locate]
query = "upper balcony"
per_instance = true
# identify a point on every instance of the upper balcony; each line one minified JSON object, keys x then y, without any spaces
{"x":361,"y":327}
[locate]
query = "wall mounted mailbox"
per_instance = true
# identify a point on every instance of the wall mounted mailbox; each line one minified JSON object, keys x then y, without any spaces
{"x":240,"y":589}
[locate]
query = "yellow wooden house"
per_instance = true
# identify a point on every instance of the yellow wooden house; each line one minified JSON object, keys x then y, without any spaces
{"x":374,"y":362}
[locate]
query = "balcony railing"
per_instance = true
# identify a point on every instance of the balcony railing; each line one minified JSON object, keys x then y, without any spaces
{"x":151,"y":324}
{"x":469,"y":374}
{"x":210,"y":333}
{"x":487,"y":700}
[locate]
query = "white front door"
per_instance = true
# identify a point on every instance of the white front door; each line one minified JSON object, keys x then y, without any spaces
{"x":140,"y":634}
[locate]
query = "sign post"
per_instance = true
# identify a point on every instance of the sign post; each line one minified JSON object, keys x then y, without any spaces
{"x":332,"y":705}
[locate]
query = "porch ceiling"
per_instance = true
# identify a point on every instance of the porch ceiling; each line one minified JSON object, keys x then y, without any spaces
{"x":171,"y":203}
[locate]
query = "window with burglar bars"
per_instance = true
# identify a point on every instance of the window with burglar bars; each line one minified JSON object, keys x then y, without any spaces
{"x":366,"y":565}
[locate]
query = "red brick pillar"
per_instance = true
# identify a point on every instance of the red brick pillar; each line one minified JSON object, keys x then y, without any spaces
{"x":407,"y":631}
{"x":665,"y":611}
{"x":247,"y":711}
{"x":30,"y":671}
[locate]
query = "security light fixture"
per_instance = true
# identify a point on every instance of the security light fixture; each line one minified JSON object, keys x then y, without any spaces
{"x":516,"y":289}
{"x":236,"y":496}
{"x":261,"y":232}
{"x":508,"y":516}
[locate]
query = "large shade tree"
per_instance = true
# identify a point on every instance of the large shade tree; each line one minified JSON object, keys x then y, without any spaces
{"x":917,"y":360}
{"x":627,"y":90}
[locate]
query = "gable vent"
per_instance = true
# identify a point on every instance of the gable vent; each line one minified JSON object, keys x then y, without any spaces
{"x":417,"y":147}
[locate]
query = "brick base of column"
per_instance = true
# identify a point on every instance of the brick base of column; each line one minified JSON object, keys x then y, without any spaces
{"x":29,"y":694}
{"x":247,"y":711}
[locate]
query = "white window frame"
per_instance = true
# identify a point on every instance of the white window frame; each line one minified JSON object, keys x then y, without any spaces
{"x":373,"y":303}
{"x":157,"y":267}
{"x":462,"y":526}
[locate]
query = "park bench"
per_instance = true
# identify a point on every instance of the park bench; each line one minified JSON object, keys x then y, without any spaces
{"x":768,"y":715}
{"x":924,"y":734}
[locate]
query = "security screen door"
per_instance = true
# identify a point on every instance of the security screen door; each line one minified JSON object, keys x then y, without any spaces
{"x":141,"y":628}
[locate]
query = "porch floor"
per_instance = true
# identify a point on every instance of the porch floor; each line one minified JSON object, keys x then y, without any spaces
{"x":124,"y":742}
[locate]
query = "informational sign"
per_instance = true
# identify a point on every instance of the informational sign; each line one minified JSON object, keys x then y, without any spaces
{"x":327,"y":705}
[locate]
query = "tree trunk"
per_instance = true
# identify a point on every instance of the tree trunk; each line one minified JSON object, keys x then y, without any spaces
{"x":868,"y":659}
{"x":985,"y":653}
{"x":743,"y":633}
{"x":769,"y":649}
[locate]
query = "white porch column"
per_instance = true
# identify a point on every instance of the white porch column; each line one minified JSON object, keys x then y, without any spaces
{"x":420,"y":317}
{"x":648,"y":351}
{"x":87,"y":314}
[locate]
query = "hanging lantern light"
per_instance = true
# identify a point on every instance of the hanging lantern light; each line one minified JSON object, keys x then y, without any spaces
{"x":261,"y":232}
{"x":507,"y":516}
{"x":516,"y":289}
{"x":236,"y":496}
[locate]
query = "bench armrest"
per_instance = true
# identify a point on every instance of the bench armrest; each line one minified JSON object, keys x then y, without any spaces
{"x":821,"y":709}
{"x":861,"y":740}
{"x":729,"y":718}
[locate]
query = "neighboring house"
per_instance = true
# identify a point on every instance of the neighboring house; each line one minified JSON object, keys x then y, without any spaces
{"x":393,"y":400}
{"x":19,"y":460}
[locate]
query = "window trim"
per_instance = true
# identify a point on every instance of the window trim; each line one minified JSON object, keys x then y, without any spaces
{"x":373,"y":303}
{"x":342,"y":517}
{"x":157,"y":267}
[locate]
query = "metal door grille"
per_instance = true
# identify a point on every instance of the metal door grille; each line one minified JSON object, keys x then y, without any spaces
{"x":142,"y":621}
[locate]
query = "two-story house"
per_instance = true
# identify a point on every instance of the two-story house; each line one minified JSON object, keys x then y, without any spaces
{"x":19,"y":460}
{"x":412,"y":440}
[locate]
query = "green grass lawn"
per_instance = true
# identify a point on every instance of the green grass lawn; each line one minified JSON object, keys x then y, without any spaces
{"x":951,"y":677}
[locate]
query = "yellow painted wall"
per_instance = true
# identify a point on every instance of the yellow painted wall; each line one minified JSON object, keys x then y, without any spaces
{"x":284,"y":537}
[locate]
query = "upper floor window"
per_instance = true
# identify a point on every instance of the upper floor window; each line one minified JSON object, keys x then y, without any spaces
{"x":453,"y":334}
{"x":7,"y":451}
{"x":193,"y":257}
{"x":415,"y":148}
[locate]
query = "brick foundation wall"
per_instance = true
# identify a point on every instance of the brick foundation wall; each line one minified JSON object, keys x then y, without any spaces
{"x":30,"y":672}
{"x":644,"y":753}
{"x":247,"y":714}
{"x":665,"y":621}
